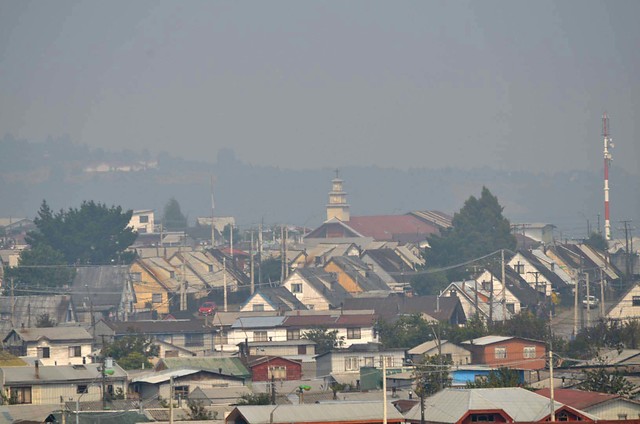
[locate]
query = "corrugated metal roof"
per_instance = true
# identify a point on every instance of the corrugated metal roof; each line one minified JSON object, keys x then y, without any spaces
{"x":54,"y":333}
{"x":258,"y":322}
{"x":58,"y":373}
{"x":487,"y":340}
{"x":450,"y":405}
{"x":319,"y":412}
{"x":229,"y":366}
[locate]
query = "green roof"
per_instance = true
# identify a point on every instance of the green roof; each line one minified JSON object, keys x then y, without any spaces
{"x":229,"y":366}
{"x":9,"y":360}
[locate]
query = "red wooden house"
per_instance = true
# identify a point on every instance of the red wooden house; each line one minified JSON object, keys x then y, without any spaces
{"x":263,"y":368}
{"x":506,"y":351}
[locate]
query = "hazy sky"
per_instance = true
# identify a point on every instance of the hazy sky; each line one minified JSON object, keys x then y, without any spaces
{"x":300,"y":84}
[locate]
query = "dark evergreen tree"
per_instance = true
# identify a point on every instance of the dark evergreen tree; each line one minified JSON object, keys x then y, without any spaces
{"x":172,"y":218}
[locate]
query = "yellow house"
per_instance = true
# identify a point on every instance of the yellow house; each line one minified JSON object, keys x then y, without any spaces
{"x":354,"y":275}
{"x":154,"y":283}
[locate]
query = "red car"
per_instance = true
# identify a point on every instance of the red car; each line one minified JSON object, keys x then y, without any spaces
{"x":207,"y":308}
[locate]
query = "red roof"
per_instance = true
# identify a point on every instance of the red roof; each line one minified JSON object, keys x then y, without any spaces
{"x":578,"y":399}
{"x":392,"y":227}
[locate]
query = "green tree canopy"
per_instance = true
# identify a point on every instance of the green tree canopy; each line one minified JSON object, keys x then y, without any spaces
{"x":478,"y":229}
{"x":92,"y":234}
{"x":604,"y":380}
{"x":502,"y":377}
{"x":172,"y":218}
{"x":325,"y":339}
{"x":597,"y":241}
{"x":131,"y":351}
{"x":432,"y":375}
{"x":40,"y":266}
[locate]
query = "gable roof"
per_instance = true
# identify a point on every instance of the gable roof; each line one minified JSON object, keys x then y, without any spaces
{"x":390,"y":261}
{"x":104,"y":284}
{"x":65,"y":374}
{"x":552,"y":277}
{"x":221,"y":365}
{"x":325,"y":283}
{"x":279,"y":298}
{"x":394,"y":305}
{"x":28,"y":308}
{"x":51,"y":333}
{"x":402,"y":228}
{"x":437,"y":218}
{"x":579,"y":399}
{"x":360,"y":272}
{"x":520,"y":405}
{"x":492,"y":339}
{"x":160,"y":326}
{"x":517,"y":285}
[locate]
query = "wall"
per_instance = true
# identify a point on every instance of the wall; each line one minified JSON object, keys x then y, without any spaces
{"x":59,"y":353}
{"x":515,"y":355}
{"x":343,"y":279}
{"x":260,"y":372}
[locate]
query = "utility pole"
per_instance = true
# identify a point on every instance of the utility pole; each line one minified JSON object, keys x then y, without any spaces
{"x":224,"y":281}
{"x":601,"y":293}
{"x":231,"y":241}
{"x":627,"y":262}
{"x":171,"y":400}
{"x":282,"y":258}
{"x":13,"y":304}
{"x":608,"y":144}
{"x":103,"y":374}
{"x":552,"y":415}
{"x":576,"y":289}
{"x":260,"y":254}
{"x":213,"y":228}
{"x":384,"y":392}
{"x":253,"y":281}
{"x":588,"y":302}
{"x":491,"y":301}
{"x":504,"y":286}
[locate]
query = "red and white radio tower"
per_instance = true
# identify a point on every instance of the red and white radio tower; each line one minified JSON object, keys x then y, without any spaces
{"x":608,"y":144}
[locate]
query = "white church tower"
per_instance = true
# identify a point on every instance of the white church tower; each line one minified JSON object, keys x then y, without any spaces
{"x":337,"y":207}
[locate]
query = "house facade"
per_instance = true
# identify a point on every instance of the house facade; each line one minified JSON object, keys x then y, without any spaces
{"x":506,"y":351}
{"x":48,"y":384}
{"x":51,"y":345}
{"x":316,"y":289}
{"x":143,"y":221}
{"x":350,"y":360}
{"x":268,"y":368}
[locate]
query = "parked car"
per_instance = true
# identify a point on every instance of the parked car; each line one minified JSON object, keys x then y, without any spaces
{"x":590,"y":302}
{"x":207,"y":308}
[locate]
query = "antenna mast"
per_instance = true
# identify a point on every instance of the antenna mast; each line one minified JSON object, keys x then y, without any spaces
{"x":608,"y":144}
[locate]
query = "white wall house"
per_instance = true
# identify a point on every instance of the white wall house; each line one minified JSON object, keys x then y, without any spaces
{"x":143,"y":221}
{"x":531,"y":274}
{"x":51,"y":345}
{"x":351,"y":360}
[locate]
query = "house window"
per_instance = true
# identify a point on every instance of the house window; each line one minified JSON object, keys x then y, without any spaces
{"x":142,"y":230}
{"x":529,"y":352}
{"x":144,"y":219}
{"x":353,"y":333}
{"x":486,"y":285}
{"x":481,"y":418}
{"x":260,"y":336}
{"x":136,"y":276}
{"x":82,"y":388}
{"x":500,"y":353}
{"x":562,"y":416}
{"x":258,"y":307}
{"x":388,"y":361}
{"x":635,"y":301}
{"x":369,"y":361}
{"x":221,"y":338}
{"x":194,"y":339}
{"x":519,"y":268}
{"x":511,"y":307}
{"x":44,"y":352}
{"x":181,"y":392}
{"x":75,"y":351}
{"x":277,"y":372}
{"x":296,"y":288}
{"x":210,"y":268}
{"x":293,"y":334}
{"x":622,"y":416}
{"x":19,"y":395}
{"x":156,"y":298}
{"x":172,"y":274}
{"x":302,"y":350}
{"x":351,"y":363}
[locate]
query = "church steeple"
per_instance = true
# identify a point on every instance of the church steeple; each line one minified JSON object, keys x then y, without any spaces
{"x":337,"y":207}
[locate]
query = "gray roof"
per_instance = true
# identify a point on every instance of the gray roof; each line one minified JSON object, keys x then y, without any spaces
{"x":222,"y":365}
{"x":450,"y":405}
{"x":59,"y":373}
{"x":360,"y":272}
{"x":325,"y":283}
{"x":280,"y":299}
{"x":155,"y":377}
{"x":53,"y":334}
{"x":101,"y":286}
{"x":161,"y":326}
{"x":28,"y":308}
{"x":258,"y":322}
{"x":318,"y":412}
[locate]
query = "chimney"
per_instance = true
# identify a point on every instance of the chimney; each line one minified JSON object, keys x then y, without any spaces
{"x":37,"y":363}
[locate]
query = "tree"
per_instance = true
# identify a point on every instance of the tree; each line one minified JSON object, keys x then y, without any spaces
{"x":226,"y":233}
{"x":91,"y":234}
{"x":597,"y":241}
{"x":502,"y":377}
{"x":255,"y":399}
{"x":604,"y":380}
{"x":325,"y":340}
{"x":41,"y":266}
{"x":131,"y":351}
{"x":44,"y":320}
{"x":479,"y":228}
{"x":271,"y":269}
{"x":197,"y":411}
{"x":172,"y":218}
{"x":432,"y":375}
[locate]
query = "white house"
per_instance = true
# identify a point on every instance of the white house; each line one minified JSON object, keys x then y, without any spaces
{"x":143,"y":221}
{"x":628,"y":307}
{"x":51,"y":345}
{"x":316,"y":289}
{"x":340,"y":361}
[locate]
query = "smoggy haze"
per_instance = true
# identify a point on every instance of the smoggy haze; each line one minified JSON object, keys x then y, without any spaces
{"x":509,"y":85}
